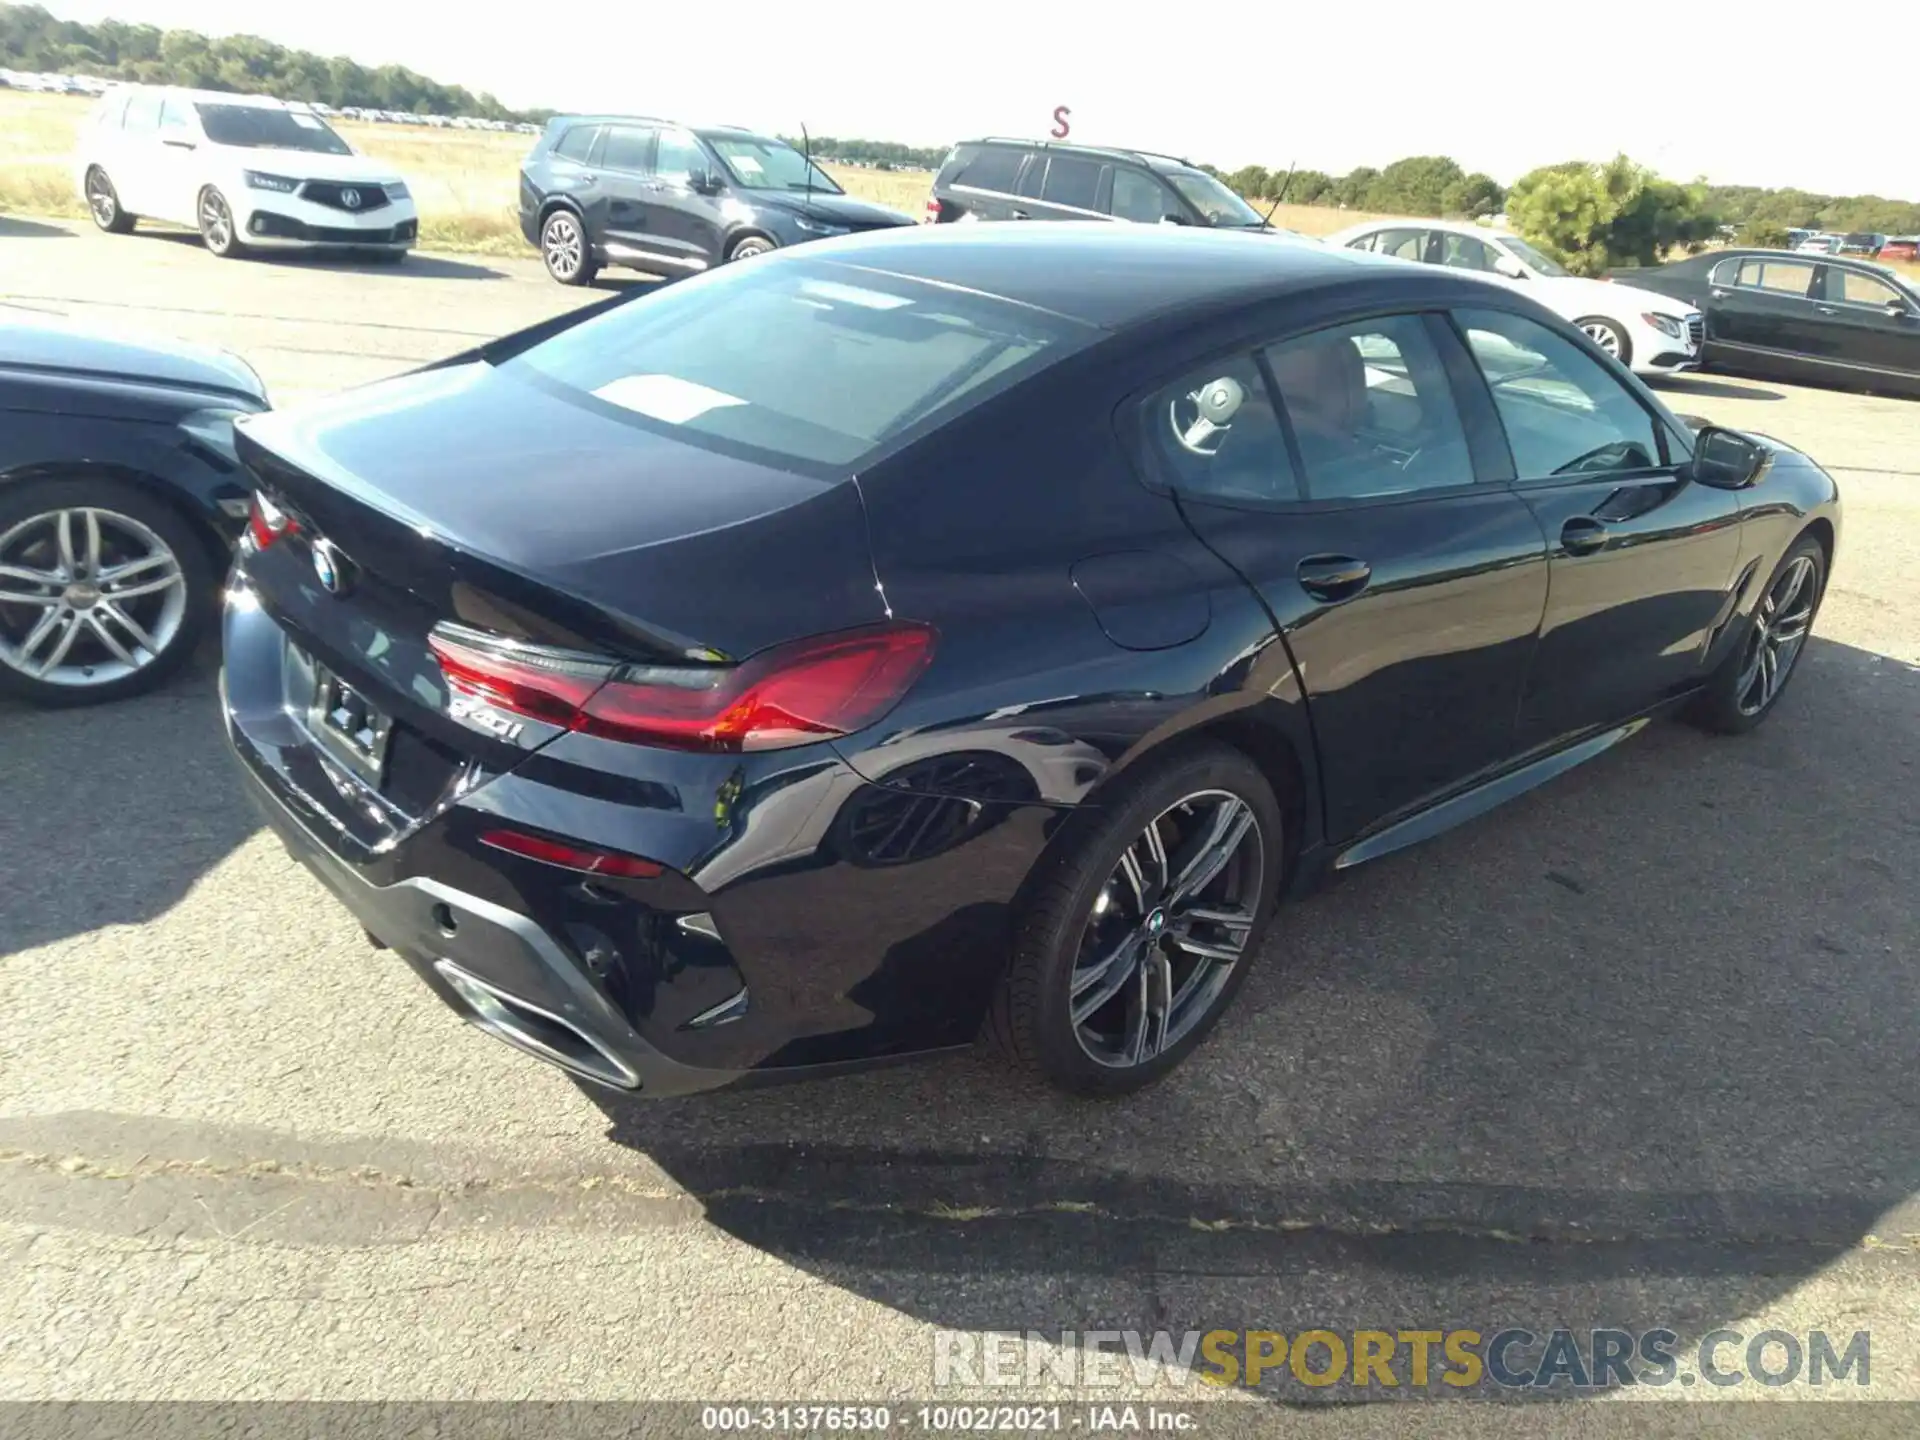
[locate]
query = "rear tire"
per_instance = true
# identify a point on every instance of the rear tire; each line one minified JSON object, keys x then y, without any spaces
{"x":1756,"y":672}
{"x":564,"y":249}
{"x":218,"y":230}
{"x":103,"y":203}
{"x":131,"y":630}
{"x":1107,"y":992}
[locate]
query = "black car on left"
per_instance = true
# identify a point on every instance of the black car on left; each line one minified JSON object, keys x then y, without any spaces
{"x":672,"y":199}
{"x":120,"y":500}
{"x":1819,"y":319}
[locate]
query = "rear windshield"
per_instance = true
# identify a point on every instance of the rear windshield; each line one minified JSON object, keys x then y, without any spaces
{"x":818,"y":363}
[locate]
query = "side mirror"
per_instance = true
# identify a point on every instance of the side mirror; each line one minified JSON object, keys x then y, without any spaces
{"x":1173,"y":220}
{"x":705,"y":182}
{"x":1899,"y":309}
{"x":1510,"y":267}
{"x":1726,"y":459}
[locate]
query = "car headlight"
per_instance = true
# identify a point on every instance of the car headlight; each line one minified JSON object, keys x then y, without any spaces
{"x":817,"y":227}
{"x":397,"y":190}
{"x":261,"y":180}
{"x":1666,"y":325}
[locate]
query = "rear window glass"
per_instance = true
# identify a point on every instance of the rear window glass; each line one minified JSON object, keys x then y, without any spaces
{"x":818,"y":364}
{"x":989,"y":168}
{"x":575,"y":144}
{"x":1072,"y":182}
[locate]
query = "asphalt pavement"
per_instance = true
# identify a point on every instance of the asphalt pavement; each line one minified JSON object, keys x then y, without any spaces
{"x":1636,"y":1051}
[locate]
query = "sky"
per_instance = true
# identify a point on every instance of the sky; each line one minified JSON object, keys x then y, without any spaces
{"x":1231,"y":82}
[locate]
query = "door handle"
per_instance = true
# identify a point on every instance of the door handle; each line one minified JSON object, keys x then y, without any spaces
{"x":1020,"y":215}
{"x":1582,"y":535}
{"x":1718,"y":294}
{"x":1826,"y":310}
{"x":1333,"y":577}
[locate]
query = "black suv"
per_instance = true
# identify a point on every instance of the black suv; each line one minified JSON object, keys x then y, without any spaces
{"x":672,"y":199}
{"x":996,"y":179}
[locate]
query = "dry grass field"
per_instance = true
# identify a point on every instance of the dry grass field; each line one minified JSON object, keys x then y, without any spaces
{"x":463,"y":180}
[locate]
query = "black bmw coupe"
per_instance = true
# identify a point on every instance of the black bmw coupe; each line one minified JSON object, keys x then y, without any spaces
{"x":829,"y":657}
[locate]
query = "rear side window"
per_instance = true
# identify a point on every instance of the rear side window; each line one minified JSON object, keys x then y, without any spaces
{"x":818,"y":365}
{"x":990,"y":167}
{"x":1788,"y":277}
{"x":1072,"y":182}
{"x":576,"y":143}
{"x":143,"y":114}
{"x":1216,"y":435}
{"x":625,"y":148}
{"x":108,"y":113}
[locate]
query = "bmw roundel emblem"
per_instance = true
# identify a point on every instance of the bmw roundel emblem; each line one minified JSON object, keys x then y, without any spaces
{"x":350,"y":198}
{"x":326,"y":565}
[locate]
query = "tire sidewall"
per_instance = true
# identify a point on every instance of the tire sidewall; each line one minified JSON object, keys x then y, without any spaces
{"x":1048,"y":943}
{"x":580,"y":276}
{"x":118,"y":224}
{"x":233,"y":248}
{"x":19,"y":502}
{"x":1720,"y":704}
{"x":1625,"y":353}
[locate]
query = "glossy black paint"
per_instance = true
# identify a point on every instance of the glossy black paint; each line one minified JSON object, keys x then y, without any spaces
{"x":849,"y":902}
{"x":1823,"y":332}
{"x":76,"y":401}
{"x":672,"y":224}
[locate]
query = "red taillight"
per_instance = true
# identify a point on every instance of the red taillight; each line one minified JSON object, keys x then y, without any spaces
{"x":528,"y":680}
{"x":552,"y":852}
{"x":932,"y":217}
{"x":790,"y":695}
{"x":267,"y":522}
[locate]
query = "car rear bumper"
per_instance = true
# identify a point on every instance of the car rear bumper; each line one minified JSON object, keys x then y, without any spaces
{"x":804,"y":920}
{"x":497,"y":969}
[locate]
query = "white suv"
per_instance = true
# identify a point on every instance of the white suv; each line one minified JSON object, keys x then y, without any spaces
{"x":244,"y":170}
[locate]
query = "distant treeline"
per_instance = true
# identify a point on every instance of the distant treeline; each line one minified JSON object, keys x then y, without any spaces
{"x":33,"y":40}
{"x":881,"y":154}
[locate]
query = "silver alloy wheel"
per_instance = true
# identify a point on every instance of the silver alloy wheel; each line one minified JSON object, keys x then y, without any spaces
{"x":751,"y":246}
{"x":1780,"y":628}
{"x":101,"y":200}
{"x":87,"y":597}
{"x":1603,"y":334}
{"x":1167,"y":929}
{"x":563,"y":246}
{"x":216,"y":222}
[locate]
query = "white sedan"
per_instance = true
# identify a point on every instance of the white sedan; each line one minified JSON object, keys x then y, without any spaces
{"x":246,"y":171}
{"x":1652,"y":334}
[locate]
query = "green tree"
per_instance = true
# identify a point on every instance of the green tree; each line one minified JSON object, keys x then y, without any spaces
{"x":1417,"y":185}
{"x":1473,"y":196}
{"x":1594,"y":216}
{"x":1764,"y":235}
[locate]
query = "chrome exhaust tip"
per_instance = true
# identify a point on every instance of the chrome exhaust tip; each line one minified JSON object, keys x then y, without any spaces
{"x":540,"y":1033}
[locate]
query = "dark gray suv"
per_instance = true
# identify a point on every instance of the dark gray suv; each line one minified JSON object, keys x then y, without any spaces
{"x":996,"y":179}
{"x":673,"y":199}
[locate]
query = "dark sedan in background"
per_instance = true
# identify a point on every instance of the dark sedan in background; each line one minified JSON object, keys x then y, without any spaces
{"x":807,"y":663}
{"x":1827,"y":320}
{"x":120,"y":499}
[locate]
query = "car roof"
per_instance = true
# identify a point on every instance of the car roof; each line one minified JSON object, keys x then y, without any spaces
{"x":695,"y":126}
{"x":212,"y":97}
{"x":1152,"y":159}
{"x":1109,"y":275}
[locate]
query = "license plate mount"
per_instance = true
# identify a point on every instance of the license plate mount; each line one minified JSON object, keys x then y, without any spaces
{"x":349,"y":730}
